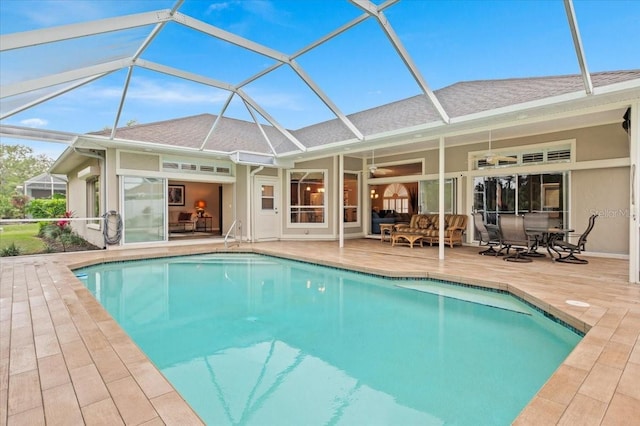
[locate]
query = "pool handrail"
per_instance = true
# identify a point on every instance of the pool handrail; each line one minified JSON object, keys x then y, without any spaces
{"x":226,"y":237}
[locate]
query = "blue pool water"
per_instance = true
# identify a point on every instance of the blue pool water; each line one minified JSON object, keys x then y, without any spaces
{"x":250,"y":339}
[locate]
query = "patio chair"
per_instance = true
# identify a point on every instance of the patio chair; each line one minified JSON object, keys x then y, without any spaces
{"x":561,"y":246}
{"x":536,"y":224}
{"x":489,"y":237}
{"x":514,"y":236}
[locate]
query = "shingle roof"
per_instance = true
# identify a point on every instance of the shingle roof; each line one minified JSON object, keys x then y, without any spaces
{"x":458,"y":100}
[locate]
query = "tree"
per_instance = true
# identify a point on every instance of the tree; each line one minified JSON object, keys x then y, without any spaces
{"x":17,"y":164}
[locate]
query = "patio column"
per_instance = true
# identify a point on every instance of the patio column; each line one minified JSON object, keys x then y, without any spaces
{"x":634,"y":209}
{"x":341,"y":199}
{"x":441,"y":197}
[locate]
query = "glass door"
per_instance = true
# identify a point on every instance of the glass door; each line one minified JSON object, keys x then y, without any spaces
{"x":144,"y":206}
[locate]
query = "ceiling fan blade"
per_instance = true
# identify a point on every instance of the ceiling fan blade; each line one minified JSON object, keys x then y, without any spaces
{"x":491,"y":158}
{"x":379,"y":171}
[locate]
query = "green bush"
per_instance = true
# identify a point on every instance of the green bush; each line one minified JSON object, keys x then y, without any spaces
{"x":10,"y":250}
{"x":7,"y":210}
{"x":43,"y":208}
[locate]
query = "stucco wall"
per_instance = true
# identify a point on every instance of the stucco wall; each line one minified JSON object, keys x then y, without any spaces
{"x":77,"y":203}
{"x":605,"y":192}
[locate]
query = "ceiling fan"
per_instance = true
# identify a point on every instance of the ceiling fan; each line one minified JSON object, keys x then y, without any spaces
{"x":375,"y":170}
{"x":491,"y":157}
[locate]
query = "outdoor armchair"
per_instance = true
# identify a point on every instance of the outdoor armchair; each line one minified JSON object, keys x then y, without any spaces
{"x":513,"y":235}
{"x":488,"y":237}
{"x":567,"y":251}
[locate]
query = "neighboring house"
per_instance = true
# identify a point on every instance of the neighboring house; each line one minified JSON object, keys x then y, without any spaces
{"x":514,"y":145}
{"x":45,"y":186}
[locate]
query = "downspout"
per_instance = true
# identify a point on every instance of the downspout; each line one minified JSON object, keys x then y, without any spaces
{"x":249,"y":201}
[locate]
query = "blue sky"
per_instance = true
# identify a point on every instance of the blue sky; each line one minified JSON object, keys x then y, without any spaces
{"x":450,"y":41}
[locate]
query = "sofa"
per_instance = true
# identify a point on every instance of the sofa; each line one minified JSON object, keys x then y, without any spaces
{"x":386,"y":216}
{"x":427,"y":225}
{"x":376,"y":220}
{"x":182,"y":221}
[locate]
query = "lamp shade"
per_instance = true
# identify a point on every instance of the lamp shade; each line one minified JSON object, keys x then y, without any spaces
{"x":201,"y":204}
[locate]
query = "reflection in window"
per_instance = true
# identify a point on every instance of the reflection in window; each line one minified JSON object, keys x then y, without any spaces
{"x":93,"y":199}
{"x":351,"y":197}
{"x":145,"y":202}
{"x":521,"y":194}
{"x":267,"y":197}
{"x":430,"y":196}
{"x":307,"y":196}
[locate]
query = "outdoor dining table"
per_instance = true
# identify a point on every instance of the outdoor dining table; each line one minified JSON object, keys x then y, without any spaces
{"x":549,"y":237}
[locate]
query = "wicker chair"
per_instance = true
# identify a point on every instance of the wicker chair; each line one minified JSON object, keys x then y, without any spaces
{"x":514,"y":236}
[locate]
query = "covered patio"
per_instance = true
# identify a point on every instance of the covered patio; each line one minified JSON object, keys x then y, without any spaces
{"x":65,"y":361}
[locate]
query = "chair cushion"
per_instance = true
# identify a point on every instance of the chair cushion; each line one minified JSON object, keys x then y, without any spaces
{"x":184,"y":216}
{"x":424,"y":222}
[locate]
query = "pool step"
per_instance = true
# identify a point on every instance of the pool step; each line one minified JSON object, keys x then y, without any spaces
{"x":482,"y":297}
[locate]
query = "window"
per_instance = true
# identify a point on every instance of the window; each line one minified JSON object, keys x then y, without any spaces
{"x":267,"y":197}
{"x":396,"y":198}
{"x":521,"y":194}
{"x":307,"y":196}
{"x":93,"y":199}
{"x":430,"y":196}
{"x":351,"y":197}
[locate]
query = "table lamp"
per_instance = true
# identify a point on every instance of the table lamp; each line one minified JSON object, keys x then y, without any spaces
{"x":200,"y":206}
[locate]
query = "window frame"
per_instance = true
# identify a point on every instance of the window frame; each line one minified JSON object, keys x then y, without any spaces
{"x":358,"y":197}
{"x":93,"y":201}
{"x":291,"y":209}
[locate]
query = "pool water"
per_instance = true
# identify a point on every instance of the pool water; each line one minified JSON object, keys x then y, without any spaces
{"x":251,"y":339}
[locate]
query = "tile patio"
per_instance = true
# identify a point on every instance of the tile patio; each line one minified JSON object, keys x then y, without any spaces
{"x":63,"y":360}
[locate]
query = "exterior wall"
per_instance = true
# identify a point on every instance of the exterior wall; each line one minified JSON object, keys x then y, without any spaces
{"x":605,"y":192}
{"x":77,"y":203}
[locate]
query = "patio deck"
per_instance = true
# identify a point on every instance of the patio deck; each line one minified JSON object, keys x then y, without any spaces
{"x":63,"y":360}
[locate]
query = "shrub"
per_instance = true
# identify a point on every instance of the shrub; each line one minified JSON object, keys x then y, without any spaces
{"x":10,"y":250}
{"x":45,"y":209}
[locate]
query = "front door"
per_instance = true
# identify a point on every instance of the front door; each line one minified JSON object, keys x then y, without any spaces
{"x":266,"y":201}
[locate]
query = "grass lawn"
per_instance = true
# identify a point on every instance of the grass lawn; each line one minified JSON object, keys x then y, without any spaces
{"x":24,"y":236}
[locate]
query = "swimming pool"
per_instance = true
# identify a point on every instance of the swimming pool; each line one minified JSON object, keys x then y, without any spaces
{"x":251,"y":339}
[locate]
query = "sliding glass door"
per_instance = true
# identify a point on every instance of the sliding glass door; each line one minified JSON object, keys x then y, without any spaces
{"x":144,"y":207}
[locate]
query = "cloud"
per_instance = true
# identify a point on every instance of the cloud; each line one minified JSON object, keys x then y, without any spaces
{"x":263,"y":9}
{"x":172,"y":92}
{"x":280,"y":100}
{"x":34,"y":122}
{"x":215,"y":7}
{"x":153,"y":91}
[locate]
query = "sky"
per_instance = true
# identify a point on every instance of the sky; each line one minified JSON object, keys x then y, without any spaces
{"x":449,"y":42}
